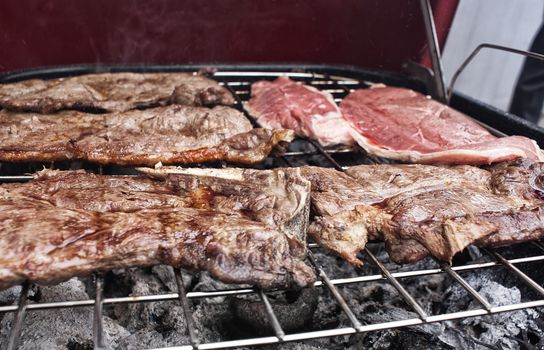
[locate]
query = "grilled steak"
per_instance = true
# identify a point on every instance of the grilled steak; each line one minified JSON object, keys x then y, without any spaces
{"x":171,"y":134}
{"x":402,"y":124}
{"x":334,"y":197}
{"x":419,"y":210}
{"x":353,"y":205}
{"x":113,"y":92}
{"x":311,"y":113}
{"x":279,"y":198}
{"x":66,"y":224}
{"x":517,"y":180}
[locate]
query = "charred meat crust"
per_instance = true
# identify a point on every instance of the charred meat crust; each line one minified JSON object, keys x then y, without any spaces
{"x":172,"y":134}
{"x":113,"y":92}
{"x":66,"y":224}
{"x":420,"y":210}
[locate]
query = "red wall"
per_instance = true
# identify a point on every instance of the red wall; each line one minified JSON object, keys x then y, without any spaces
{"x":371,"y":33}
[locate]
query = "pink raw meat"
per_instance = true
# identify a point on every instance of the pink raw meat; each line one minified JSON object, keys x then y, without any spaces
{"x":311,"y":113}
{"x":402,"y":124}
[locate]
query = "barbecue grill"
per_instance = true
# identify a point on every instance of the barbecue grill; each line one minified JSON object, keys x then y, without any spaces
{"x":337,"y":81}
{"x":519,"y":262}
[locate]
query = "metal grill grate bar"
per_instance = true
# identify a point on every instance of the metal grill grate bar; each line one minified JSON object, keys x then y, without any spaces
{"x":518,"y":272}
{"x":326,"y":155}
{"x":19,"y":318}
{"x":98,"y":332}
{"x":539,"y":245}
{"x":336,"y":293}
{"x":403,"y":292}
{"x":182,"y":295}
{"x":241,"y":291}
{"x":280,"y":334}
{"x":466,"y":286}
{"x":365,"y":328}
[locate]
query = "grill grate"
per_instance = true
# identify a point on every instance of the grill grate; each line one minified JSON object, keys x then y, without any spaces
{"x":239,"y":82}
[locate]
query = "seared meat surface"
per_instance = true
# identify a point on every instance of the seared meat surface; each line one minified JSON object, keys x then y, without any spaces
{"x":419,"y":210}
{"x":65,"y":224}
{"x":517,"y":180}
{"x":171,"y":134}
{"x":354,"y":206}
{"x":113,"y":92}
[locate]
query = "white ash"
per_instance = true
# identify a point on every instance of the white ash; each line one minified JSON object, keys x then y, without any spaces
{"x":153,"y":324}
{"x":497,"y":329}
{"x":9,"y":296}
{"x":62,"y":328}
{"x":161,"y":324}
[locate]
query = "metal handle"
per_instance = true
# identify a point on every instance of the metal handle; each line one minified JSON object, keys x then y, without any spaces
{"x":434,"y":50}
{"x":487,"y":46}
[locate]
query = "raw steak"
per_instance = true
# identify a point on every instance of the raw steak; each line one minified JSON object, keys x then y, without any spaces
{"x":402,"y":124}
{"x":311,"y":113}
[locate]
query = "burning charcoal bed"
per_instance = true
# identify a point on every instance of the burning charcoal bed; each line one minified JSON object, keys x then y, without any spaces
{"x":487,"y":298}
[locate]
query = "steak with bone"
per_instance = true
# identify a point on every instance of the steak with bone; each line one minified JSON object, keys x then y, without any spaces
{"x":420,"y":210}
{"x":113,"y":92}
{"x":311,"y":113}
{"x":402,"y":124}
{"x":243,"y":226}
{"x":171,"y":134}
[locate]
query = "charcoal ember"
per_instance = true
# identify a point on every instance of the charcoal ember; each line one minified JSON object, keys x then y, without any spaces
{"x":377,"y":313}
{"x":135,"y":316}
{"x":417,"y":337}
{"x":148,"y":338}
{"x":62,"y":328}
{"x":294,"y":310}
{"x":328,"y":314}
{"x":313,"y":344}
{"x":145,"y":338}
{"x":161,"y":324}
{"x":378,"y":302}
{"x":533,"y":270}
{"x":205,"y":282}
{"x":155,"y":324}
{"x":334,"y":265}
{"x":168,"y":329}
{"x":401,"y":339}
{"x":298,"y":346}
{"x":166,"y":275}
{"x":9,"y":296}
{"x":214,"y":321}
{"x":498,"y":329}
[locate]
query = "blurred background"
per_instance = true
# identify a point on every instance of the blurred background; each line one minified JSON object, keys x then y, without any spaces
{"x":375,"y":34}
{"x":492,"y":75}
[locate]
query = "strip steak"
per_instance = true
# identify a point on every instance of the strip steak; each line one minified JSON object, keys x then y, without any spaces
{"x":66,"y":224}
{"x":113,"y":92}
{"x":311,"y":113}
{"x":420,"y":210}
{"x":171,"y":134}
{"x":402,"y":124}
